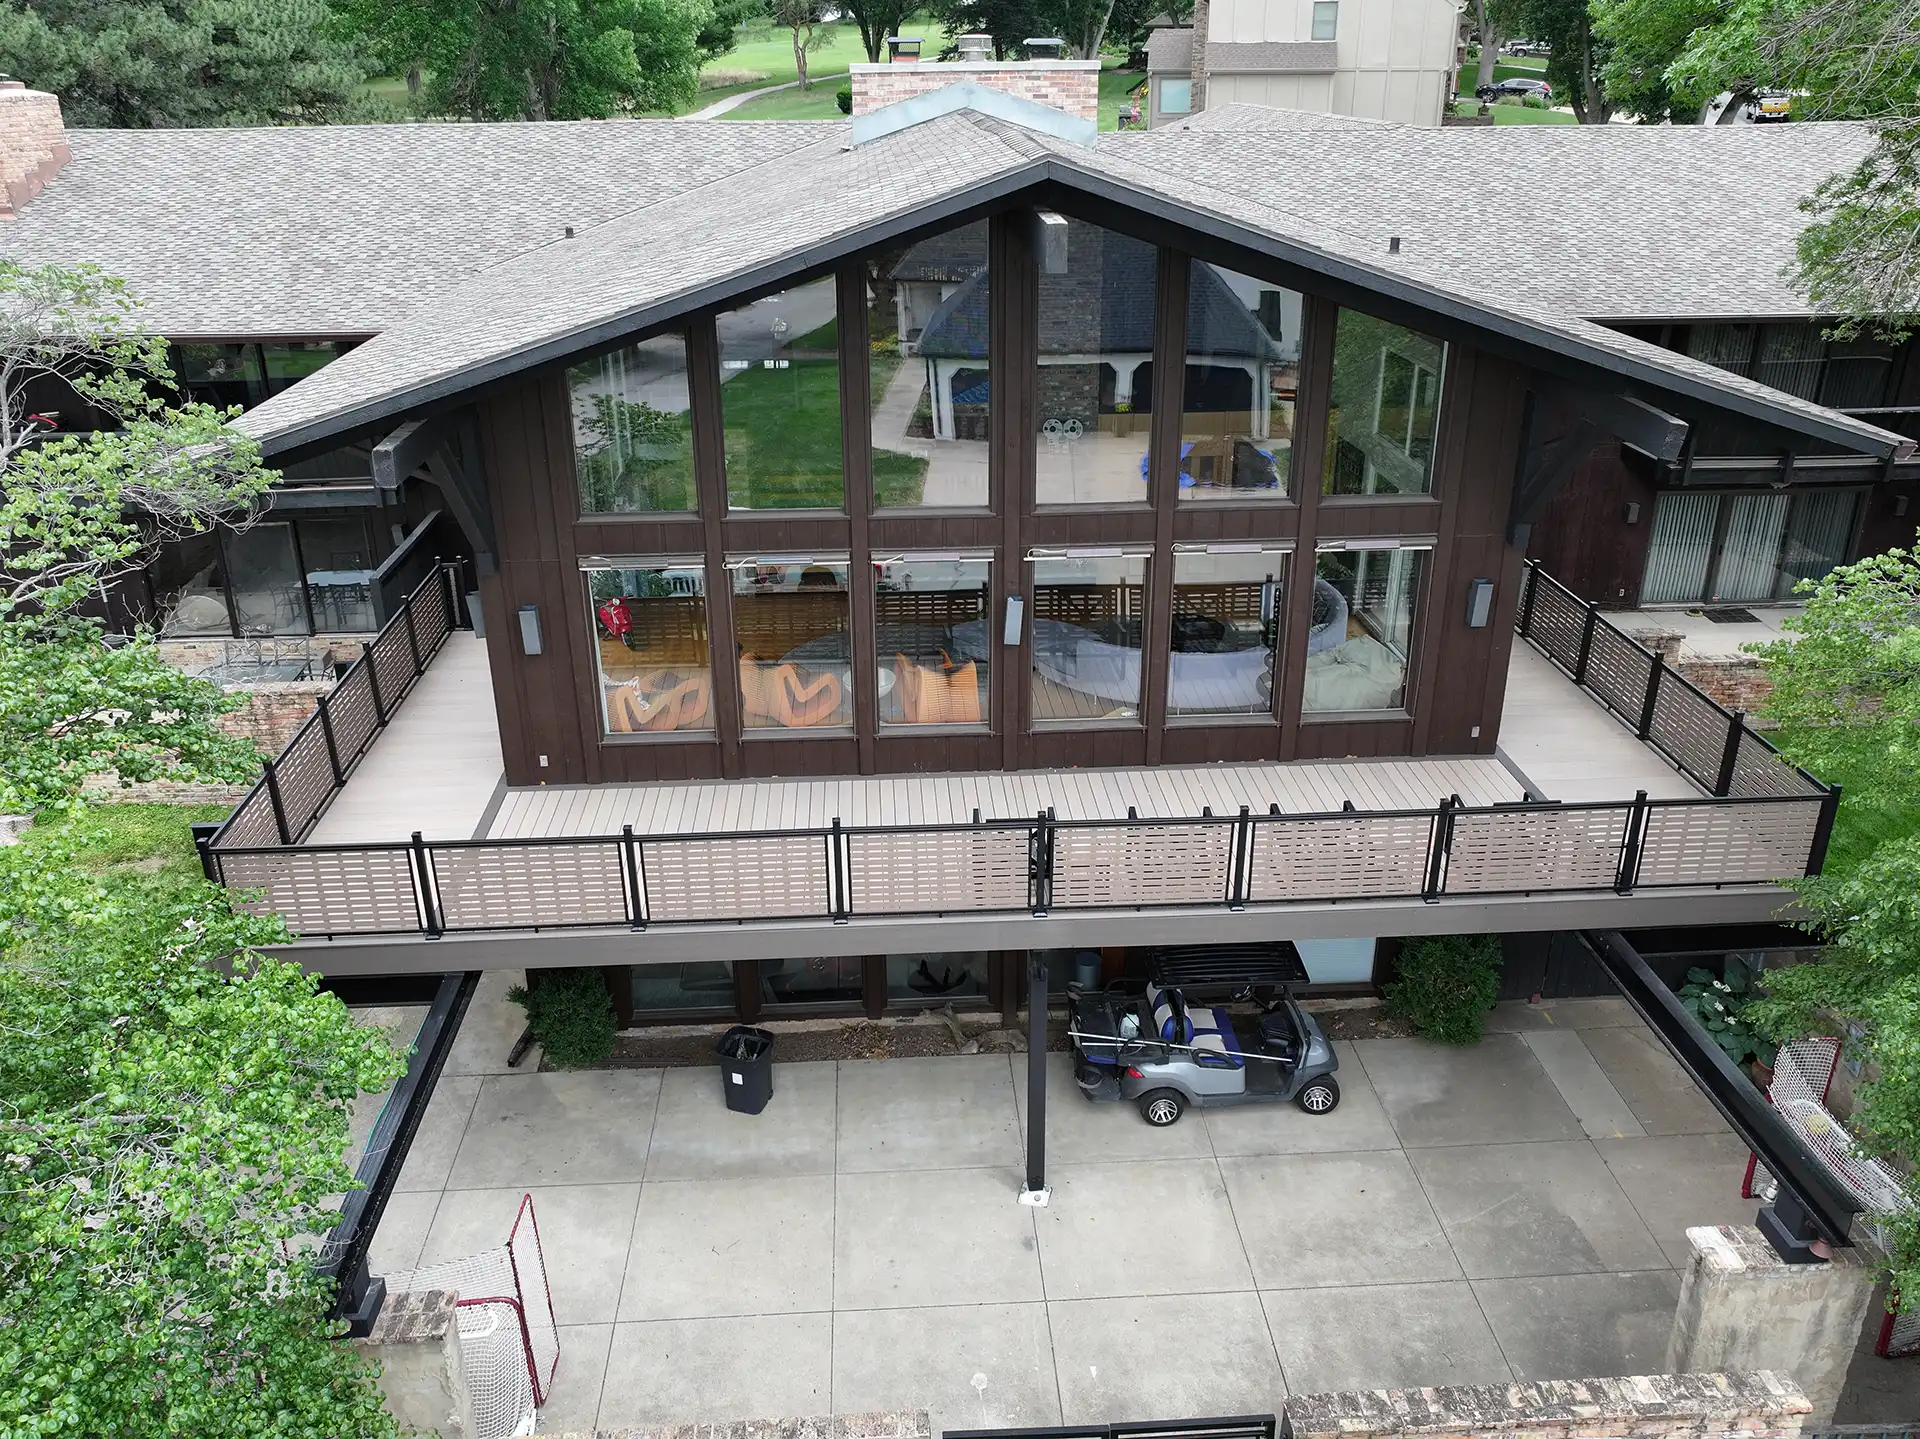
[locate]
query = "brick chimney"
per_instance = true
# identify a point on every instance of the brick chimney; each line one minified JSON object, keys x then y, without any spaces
{"x":33,"y":144}
{"x":1069,"y":85}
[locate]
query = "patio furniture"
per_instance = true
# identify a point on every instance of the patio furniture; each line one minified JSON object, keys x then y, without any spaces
{"x":785,"y":695}
{"x":947,"y":695}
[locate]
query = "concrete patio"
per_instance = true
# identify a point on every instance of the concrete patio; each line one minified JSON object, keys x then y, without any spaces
{"x":1509,"y":1211}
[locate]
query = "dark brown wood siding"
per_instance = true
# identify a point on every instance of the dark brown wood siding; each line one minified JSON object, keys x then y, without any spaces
{"x":1585,"y":539}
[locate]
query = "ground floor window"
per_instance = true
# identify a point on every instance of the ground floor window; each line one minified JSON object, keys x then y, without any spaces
{"x":1360,"y":643}
{"x":310,"y":575}
{"x":935,"y":979}
{"x":817,"y":980}
{"x":651,"y":646}
{"x":932,"y":638}
{"x":1227,"y":603}
{"x":661,"y":990}
{"x":1716,"y":547}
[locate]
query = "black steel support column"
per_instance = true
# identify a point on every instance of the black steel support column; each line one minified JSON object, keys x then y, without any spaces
{"x":1035,"y":1191}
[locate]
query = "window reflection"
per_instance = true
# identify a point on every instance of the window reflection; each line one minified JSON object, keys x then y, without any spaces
{"x":1095,"y":400}
{"x":1227,"y":608}
{"x":927,"y":330}
{"x":790,"y":621}
{"x":650,"y":633}
{"x":780,"y":400}
{"x":189,"y":580}
{"x":633,"y":430}
{"x":936,"y":979}
{"x":1242,"y":371}
{"x":1360,"y":644}
{"x":1385,"y":410}
{"x":931,"y":616}
{"x":1088,"y":612}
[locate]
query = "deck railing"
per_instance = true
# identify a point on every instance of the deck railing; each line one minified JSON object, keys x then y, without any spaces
{"x":1764,"y":822}
{"x":295,"y":788}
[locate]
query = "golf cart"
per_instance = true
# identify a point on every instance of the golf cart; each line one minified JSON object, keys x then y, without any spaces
{"x":1164,"y":1052}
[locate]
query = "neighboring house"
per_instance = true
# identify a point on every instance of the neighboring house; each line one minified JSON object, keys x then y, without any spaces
{"x":908,"y":544}
{"x":1371,"y":59}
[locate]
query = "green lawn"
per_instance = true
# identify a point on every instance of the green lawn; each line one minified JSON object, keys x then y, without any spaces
{"x":1518,"y":114}
{"x":1114,"y":85}
{"x":814,"y":103}
{"x":144,"y":844}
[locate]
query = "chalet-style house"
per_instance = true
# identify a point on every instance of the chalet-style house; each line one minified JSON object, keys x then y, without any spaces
{"x":899,"y":545}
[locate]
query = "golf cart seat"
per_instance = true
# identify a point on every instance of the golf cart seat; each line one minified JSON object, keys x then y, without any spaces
{"x":1213,"y":1036}
{"x":1170,"y":1019}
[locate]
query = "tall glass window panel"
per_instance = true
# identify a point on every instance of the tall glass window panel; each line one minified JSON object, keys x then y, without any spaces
{"x":1385,"y":410}
{"x":1360,"y":641}
{"x":1089,"y":610}
{"x":339,"y":560}
{"x":1228,"y":608}
{"x":1242,"y":372}
{"x":189,"y":580}
{"x":780,"y":400}
{"x":269,"y":592}
{"x":1817,"y":536}
{"x":1680,"y":547}
{"x":1095,"y":399}
{"x":790,"y":624}
{"x":633,"y":430}
{"x":222,"y":375}
{"x":935,"y":979}
{"x":651,"y":647}
{"x":933,"y":638}
{"x":927,"y":318}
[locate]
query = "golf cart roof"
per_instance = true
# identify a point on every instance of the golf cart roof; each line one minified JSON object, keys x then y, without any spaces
{"x":1198,"y":966}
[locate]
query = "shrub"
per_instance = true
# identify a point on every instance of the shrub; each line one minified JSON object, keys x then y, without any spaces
{"x":843,"y":97}
{"x":1446,"y":986}
{"x":1534,"y":102}
{"x":570,"y":1014}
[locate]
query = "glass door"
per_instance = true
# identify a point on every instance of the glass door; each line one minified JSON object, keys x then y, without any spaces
{"x":1749,"y":566}
{"x":1681,"y":547}
{"x":1749,"y":548}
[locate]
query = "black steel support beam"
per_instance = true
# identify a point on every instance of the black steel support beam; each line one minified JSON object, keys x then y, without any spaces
{"x":358,"y":1295}
{"x":1813,"y":1205}
{"x":1035,"y":1190}
{"x":1649,"y":430}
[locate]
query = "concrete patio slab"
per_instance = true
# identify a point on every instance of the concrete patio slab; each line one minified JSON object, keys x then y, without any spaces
{"x":1383,"y":1336}
{"x":712,"y":1247}
{"x":1602,"y":1113}
{"x":954,"y":1113}
{"x":403,"y":1231}
{"x":540,"y":1129}
{"x":1336,"y":1219}
{"x":1490,"y":1093}
{"x":748,"y":1367}
{"x":1126,"y":1359}
{"x":442,"y":1128}
{"x":695,"y":1135}
{"x":949,"y":1236}
{"x":1597,"y":1012}
{"x":1679,"y":1180}
{"x":1518,"y":1209}
{"x":1594,"y":1325}
{"x":580,"y":1225}
{"x":493,"y":1025}
{"x":575,"y":1402}
{"x":1080,"y":1131}
{"x":1656,"y":1088}
{"x":985,"y":1366}
{"x":1100,"y":1236}
{"x":1359,"y":1123}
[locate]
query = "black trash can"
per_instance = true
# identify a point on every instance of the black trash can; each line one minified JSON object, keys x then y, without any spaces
{"x":746,"y":1068}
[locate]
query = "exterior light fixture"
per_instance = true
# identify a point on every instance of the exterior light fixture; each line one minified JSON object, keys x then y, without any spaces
{"x":1479,"y":603}
{"x":530,"y":630}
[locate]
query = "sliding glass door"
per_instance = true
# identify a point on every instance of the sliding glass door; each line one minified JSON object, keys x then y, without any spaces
{"x":1744,"y":548}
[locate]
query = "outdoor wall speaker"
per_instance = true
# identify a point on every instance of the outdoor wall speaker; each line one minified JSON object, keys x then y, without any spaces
{"x":1479,"y":603}
{"x":1633,"y":512}
{"x":530,"y":630}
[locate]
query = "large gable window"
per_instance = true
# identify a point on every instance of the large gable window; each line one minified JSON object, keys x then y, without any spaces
{"x":780,"y":400}
{"x":1385,"y":413}
{"x":632,"y":430}
{"x":1242,"y":370}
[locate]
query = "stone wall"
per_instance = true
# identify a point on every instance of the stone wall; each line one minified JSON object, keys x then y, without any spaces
{"x":1759,"y":1405}
{"x":273,"y":712}
{"x":1069,"y":85}
{"x":1739,"y":684}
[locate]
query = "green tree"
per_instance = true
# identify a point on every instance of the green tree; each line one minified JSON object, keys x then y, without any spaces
{"x":1131,"y":24}
{"x":139,"y":64}
{"x":805,"y":22}
{"x":1644,"y":38}
{"x":537,"y":59}
{"x":174,"y":1112}
{"x":1574,"y":69}
{"x":79,"y":510}
{"x":1846,"y":699}
{"x":1081,"y":23}
{"x":1008,"y":21}
{"x":877,"y":19}
{"x":721,"y":32}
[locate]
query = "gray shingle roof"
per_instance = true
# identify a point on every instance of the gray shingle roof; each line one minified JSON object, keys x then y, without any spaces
{"x":1172,"y":50}
{"x":445,"y":239}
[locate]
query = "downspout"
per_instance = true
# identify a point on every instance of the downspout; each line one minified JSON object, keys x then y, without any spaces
{"x":1197,"y":100}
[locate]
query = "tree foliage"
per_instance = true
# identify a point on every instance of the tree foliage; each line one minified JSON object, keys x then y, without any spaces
{"x":721,"y":32}
{"x":79,"y":510}
{"x":174,"y":1111}
{"x":1847,"y":699}
{"x":1446,"y":985}
{"x":139,"y":64}
{"x":878,"y":19}
{"x":537,"y":59}
{"x":1643,"y":40}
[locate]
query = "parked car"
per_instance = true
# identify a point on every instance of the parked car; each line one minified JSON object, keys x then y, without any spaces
{"x":1515,"y":85}
{"x":1772,"y":107}
{"x":1528,"y":47}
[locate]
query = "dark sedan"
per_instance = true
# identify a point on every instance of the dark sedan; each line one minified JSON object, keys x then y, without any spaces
{"x":1515,"y":85}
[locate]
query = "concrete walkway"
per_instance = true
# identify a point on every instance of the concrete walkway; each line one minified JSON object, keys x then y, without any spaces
{"x":1513,"y":1210}
{"x":734,"y":102}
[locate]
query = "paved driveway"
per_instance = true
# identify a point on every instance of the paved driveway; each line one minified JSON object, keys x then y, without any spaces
{"x":1466,"y":1216}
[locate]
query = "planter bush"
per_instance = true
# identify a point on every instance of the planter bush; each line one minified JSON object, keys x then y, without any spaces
{"x":570,"y":1014}
{"x":1446,"y":986}
{"x":843,"y":97}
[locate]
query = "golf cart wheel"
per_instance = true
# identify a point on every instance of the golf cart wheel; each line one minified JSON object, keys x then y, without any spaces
{"x":1321,"y":1096}
{"x":1162,"y":1107}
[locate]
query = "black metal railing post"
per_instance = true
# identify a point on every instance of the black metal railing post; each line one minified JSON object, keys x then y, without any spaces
{"x":1823,"y":830}
{"x":1437,"y":850}
{"x":413,"y":638}
{"x":839,"y":882}
{"x":1530,"y":572}
{"x":1040,"y":864}
{"x":1630,"y":843}
{"x":1655,"y":668}
{"x":333,"y":749}
{"x":1237,"y":885}
{"x":1586,"y":643}
{"x":636,"y":895}
{"x":203,"y":833}
{"x":1730,"y":752}
{"x":373,"y":683}
{"x":430,"y":918}
{"x":273,"y":797}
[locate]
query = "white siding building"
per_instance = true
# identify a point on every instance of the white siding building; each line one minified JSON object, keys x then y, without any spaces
{"x":1376,"y":59}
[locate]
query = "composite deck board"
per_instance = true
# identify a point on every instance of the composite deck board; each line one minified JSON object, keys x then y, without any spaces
{"x":1570,"y":746}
